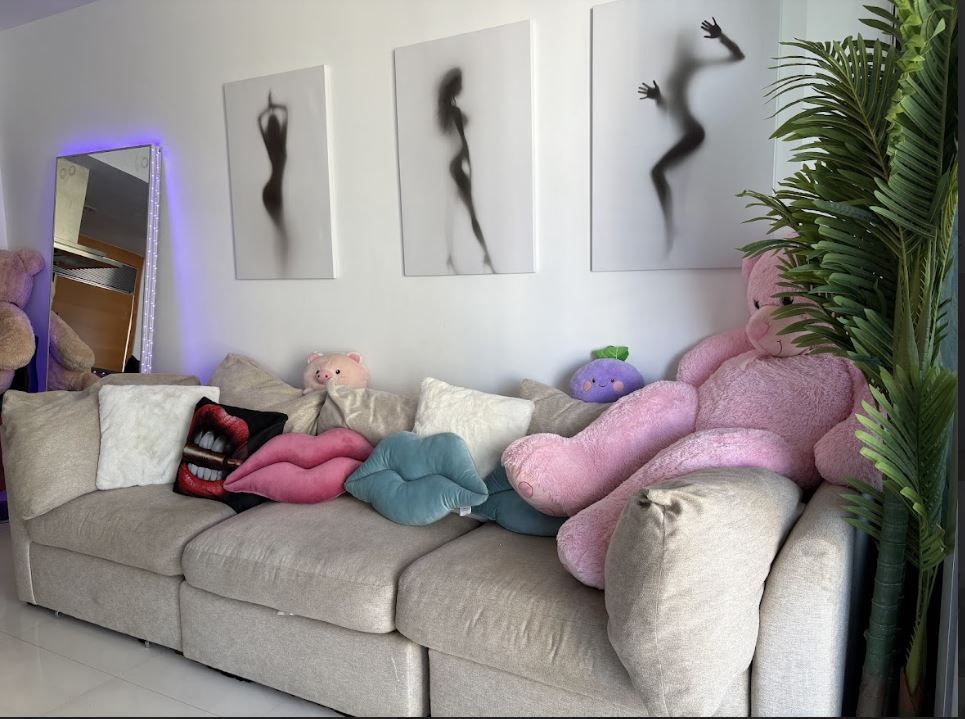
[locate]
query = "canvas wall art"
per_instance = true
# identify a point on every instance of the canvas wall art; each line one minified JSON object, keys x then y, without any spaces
{"x":464,"y":117}
{"x":679,"y":127}
{"x":279,"y":176}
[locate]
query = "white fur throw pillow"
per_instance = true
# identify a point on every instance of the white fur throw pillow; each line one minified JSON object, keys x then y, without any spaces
{"x":487,"y":422}
{"x":143,"y":431}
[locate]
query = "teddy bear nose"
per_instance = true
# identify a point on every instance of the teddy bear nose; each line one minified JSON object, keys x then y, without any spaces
{"x":758,"y":328}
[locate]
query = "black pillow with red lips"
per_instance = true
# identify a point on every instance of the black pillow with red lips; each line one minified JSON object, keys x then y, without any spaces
{"x":220,"y":438}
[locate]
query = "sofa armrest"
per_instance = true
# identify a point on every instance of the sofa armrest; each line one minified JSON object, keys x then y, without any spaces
{"x":685,"y":572}
{"x":50,"y":446}
{"x":799,"y":664}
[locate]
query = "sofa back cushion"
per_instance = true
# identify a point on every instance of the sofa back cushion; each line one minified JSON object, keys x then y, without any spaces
{"x":245,"y":383}
{"x":556,"y":412}
{"x":51,"y":442}
{"x":802,"y":646}
{"x":373,"y":413}
{"x":685,"y":573}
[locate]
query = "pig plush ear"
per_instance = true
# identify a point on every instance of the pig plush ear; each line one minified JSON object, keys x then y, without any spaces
{"x":355,"y":356}
{"x":313,"y":356}
{"x":747,"y":266}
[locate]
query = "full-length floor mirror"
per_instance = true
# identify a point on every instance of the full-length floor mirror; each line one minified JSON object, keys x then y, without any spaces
{"x":104,"y":265}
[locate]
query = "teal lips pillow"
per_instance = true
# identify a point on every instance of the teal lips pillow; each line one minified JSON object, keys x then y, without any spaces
{"x":418,"y":480}
{"x":510,"y":511}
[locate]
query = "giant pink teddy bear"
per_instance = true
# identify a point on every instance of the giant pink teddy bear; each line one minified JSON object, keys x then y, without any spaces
{"x":745,"y":398}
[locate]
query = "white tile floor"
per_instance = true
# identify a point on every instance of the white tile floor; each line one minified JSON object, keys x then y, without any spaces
{"x":60,"y":666}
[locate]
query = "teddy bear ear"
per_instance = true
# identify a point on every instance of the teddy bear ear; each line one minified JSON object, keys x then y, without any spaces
{"x":747,"y":266}
{"x":33,"y":261}
{"x":355,"y":356}
{"x":313,"y":356}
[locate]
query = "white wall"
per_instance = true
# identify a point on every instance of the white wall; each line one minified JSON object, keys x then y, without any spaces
{"x":119,"y":72}
{"x":3,"y":219}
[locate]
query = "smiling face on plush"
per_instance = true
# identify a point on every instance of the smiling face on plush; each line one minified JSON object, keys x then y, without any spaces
{"x":605,"y":380}
{"x":344,"y":369}
{"x":763,"y":276}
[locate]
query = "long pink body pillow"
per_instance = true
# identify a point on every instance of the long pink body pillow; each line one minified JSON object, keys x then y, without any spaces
{"x":301,"y":468}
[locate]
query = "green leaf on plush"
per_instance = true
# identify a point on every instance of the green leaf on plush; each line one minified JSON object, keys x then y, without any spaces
{"x":612,"y":352}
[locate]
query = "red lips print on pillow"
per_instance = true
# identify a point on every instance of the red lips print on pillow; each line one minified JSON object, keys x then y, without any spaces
{"x":220,"y":438}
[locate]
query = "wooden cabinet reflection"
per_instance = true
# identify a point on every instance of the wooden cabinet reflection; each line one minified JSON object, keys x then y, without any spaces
{"x":105,"y":319}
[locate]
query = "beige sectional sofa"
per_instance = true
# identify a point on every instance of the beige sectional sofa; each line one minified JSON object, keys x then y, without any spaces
{"x":335,"y":604}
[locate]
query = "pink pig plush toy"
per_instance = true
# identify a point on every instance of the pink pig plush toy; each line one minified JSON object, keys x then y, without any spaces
{"x":345,"y":369}
{"x":746,"y":398}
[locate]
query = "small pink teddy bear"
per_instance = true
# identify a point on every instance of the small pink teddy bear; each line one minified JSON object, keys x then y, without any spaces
{"x":344,"y":369}
{"x":745,"y":398}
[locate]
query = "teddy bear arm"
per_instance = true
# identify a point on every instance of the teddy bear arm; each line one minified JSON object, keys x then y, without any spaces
{"x":67,"y":347}
{"x":700,"y":362}
{"x":837,"y":455}
{"x":16,"y":337}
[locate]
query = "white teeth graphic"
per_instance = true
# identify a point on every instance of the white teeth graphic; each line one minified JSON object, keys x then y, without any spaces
{"x":207,"y":440}
{"x":197,"y":438}
{"x":219,"y":445}
{"x":218,"y":475}
{"x":193,"y":469}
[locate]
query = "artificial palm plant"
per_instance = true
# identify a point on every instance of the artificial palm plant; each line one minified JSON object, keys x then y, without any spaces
{"x":872,"y":212}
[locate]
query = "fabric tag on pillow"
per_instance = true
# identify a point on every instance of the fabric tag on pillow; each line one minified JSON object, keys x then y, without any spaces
{"x":488,"y":423}
{"x":219,"y":439}
{"x":142,"y":431}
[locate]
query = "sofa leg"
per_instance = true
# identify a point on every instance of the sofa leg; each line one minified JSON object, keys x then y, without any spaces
{"x":57,"y":614}
{"x":147,"y":644}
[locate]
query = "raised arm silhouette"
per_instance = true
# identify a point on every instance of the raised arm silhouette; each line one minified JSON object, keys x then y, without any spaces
{"x":677,"y":103}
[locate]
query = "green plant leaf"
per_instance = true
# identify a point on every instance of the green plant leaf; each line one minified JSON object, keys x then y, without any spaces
{"x":612,"y":352}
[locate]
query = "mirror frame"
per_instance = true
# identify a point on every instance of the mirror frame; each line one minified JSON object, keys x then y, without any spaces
{"x":149,"y":281}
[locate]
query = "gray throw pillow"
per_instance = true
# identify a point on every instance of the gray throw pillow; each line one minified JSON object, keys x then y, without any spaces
{"x":51,"y":442}
{"x":245,"y":383}
{"x":685,"y":573}
{"x":373,"y":413}
{"x":557,"y":412}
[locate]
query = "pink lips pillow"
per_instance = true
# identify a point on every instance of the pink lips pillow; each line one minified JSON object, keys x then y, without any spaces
{"x":301,"y":468}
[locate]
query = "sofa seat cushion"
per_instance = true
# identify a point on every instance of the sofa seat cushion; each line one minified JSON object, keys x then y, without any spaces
{"x":144,"y":527}
{"x":504,"y":600}
{"x":337,"y":561}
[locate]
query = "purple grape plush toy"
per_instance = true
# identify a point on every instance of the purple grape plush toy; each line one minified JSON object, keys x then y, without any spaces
{"x":606,"y":378}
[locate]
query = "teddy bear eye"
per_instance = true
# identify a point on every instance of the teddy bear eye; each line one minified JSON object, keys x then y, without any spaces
{"x":338,"y":371}
{"x":786,"y":300}
{"x":757,"y":305}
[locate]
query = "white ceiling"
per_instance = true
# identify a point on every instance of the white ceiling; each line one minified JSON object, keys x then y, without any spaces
{"x":18,"y":12}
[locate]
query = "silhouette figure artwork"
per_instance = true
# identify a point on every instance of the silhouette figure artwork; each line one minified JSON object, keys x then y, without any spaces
{"x":676,"y":102}
{"x":273,"y":125}
{"x":452,"y":120}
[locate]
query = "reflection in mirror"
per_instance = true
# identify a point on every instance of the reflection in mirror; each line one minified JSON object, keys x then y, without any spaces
{"x":104,"y":259}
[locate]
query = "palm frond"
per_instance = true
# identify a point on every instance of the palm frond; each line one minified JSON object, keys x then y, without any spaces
{"x":870,"y":214}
